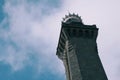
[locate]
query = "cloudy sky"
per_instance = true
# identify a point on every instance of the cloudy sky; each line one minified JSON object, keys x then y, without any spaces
{"x":29,"y":33}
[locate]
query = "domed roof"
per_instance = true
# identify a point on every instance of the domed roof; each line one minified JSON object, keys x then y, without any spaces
{"x":72,"y":18}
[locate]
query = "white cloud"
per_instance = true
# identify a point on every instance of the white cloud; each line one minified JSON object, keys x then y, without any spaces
{"x":31,"y":33}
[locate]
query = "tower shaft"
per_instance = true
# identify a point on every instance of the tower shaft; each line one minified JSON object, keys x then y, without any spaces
{"x":77,"y":48}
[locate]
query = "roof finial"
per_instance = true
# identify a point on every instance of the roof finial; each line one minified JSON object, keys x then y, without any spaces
{"x":73,"y":14}
{"x":63,"y":19}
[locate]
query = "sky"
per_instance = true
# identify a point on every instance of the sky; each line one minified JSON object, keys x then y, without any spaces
{"x":29,"y":33}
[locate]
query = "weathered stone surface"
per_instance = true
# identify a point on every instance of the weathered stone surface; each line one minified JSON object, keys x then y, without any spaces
{"x":77,"y":48}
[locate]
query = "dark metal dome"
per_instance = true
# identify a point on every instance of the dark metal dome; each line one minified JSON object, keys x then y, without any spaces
{"x":72,"y":18}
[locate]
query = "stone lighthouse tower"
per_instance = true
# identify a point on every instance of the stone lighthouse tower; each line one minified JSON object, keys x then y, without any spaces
{"x":77,"y":48}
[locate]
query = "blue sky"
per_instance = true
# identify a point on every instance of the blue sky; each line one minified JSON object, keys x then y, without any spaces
{"x":21,"y":60}
{"x":29,"y":32}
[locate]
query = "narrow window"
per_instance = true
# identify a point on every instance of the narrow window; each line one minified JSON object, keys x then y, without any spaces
{"x":80,"y":33}
{"x":87,"y":34}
